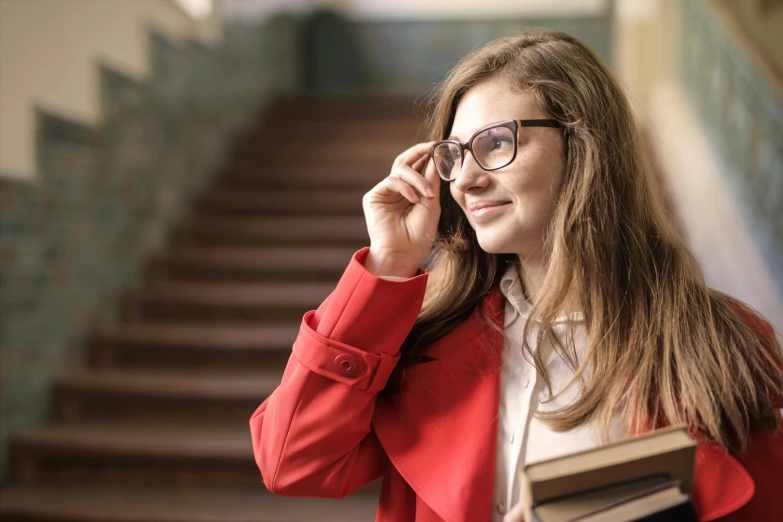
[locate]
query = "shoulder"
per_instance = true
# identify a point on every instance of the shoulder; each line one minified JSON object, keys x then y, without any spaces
{"x":762,"y":328}
{"x":766,"y":343}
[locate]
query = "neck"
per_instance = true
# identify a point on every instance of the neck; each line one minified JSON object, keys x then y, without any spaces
{"x":531,"y":272}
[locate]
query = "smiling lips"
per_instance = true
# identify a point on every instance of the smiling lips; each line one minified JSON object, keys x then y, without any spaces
{"x":484,"y":210}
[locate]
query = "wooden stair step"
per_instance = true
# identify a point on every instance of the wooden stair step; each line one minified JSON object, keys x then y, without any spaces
{"x":254,"y":386}
{"x":141,"y":441}
{"x":228,"y":294}
{"x":332,"y":160}
{"x":249,"y":264}
{"x":371,"y":108}
{"x":258,"y":302}
{"x":134,"y":453}
{"x":332,"y":146}
{"x":99,"y":503}
{"x":280,"y":202}
{"x":331,"y":154}
{"x":193,"y":346}
{"x":373,"y":134}
{"x":167,"y":397}
{"x":268,"y":231}
{"x":315,"y":175}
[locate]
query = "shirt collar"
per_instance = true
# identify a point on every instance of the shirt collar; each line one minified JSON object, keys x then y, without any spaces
{"x":511,"y":288}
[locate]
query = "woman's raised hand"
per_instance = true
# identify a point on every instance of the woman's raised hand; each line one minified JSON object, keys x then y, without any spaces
{"x":402,"y":213}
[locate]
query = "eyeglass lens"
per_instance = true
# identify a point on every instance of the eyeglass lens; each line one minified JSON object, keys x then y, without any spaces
{"x":492,"y":149}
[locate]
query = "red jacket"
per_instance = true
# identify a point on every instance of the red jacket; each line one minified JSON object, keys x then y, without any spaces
{"x":322,"y":433}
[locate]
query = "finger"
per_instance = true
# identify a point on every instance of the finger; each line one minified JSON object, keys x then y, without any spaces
{"x":420,"y":163}
{"x":517,"y":514}
{"x":396,"y":184}
{"x":431,"y":177}
{"x":413,"y":178}
{"x":410,"y":156}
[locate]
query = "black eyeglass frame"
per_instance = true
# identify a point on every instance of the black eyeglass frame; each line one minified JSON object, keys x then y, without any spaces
{"x":513,"y":125}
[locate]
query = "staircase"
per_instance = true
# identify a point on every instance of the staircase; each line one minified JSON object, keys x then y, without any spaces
{"x":155,"y":427}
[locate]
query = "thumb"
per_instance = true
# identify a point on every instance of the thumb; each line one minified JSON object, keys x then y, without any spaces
{"x":517,"y":514}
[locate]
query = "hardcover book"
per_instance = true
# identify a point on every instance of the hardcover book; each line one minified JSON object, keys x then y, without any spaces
{"x":648,"y":477}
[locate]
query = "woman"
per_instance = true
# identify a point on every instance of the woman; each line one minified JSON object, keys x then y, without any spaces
{"x":560,"y":310}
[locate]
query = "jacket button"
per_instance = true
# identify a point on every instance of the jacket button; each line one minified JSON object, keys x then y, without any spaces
{"x":346,"y":364}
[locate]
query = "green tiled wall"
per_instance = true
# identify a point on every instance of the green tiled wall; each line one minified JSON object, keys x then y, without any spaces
{"x":743,"y":117}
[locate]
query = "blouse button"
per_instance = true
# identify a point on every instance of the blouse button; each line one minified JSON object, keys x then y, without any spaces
{"x":501,"y":508}
{"x":346,"y":364}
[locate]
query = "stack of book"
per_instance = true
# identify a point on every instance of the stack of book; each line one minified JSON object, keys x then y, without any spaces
{"x":645,"y":478}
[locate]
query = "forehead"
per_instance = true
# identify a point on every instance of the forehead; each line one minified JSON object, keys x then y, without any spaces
{"x":491,"y":101}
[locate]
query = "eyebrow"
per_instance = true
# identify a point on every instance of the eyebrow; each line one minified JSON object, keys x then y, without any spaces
{"x":453,"y":137}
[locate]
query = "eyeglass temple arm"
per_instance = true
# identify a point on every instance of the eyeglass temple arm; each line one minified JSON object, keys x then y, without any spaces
{"x":540,"y":123}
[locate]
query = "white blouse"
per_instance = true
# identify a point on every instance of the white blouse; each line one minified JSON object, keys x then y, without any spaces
{"x":522,"y":438}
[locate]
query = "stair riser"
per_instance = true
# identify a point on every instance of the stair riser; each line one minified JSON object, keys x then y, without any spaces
{"x":31,"y":466}
{"x":180,"y":271}
{"x":342,"y":146}
{"x":145,"y":356}
{"x":338,"y":151}
{"x":350,"y":177}
{"x":205,"y":237}
{"x":157,"y":311}
{"x":362,"y":126}
{"x":70,"y":405}
{"x":277,"y":208}
{"x":64,"y":516}
{"x":283,"y":232}
{"x":209,"y":210}
{"x":317,"y":164}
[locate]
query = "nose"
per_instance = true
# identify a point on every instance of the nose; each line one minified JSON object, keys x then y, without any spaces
{"x":471,"y":176}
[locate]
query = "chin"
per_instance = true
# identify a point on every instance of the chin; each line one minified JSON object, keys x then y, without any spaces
{"x":494,"y":243}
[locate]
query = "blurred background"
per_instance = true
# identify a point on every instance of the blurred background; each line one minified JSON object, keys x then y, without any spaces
{"x":181,"y":179}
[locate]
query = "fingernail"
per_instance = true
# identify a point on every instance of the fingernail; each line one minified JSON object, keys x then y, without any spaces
{"x":430,"y":193}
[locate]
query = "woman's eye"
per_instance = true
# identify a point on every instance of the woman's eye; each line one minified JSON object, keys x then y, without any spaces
{"x":499,"y":143}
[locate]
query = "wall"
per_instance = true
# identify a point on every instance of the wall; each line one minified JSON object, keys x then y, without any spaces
{"x":715,"y":116}
{"x":407,"y":47}
{"x":761,"y":22}
{"x":412,"y":55}
{"x":108,"y":194}
{"x":49,"y":52}
{"x":410,"y":10}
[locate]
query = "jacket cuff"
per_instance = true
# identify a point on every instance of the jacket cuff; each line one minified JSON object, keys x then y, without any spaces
{"x":343,"y":363}
{"x":368,"y":312}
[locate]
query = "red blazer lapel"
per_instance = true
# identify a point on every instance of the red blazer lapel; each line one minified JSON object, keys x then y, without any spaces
{"x":720,"y":484}
{"x":440,"y":430}
{"x":723,"y":484}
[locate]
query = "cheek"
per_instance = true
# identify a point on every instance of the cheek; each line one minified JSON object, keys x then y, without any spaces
{"x":543,"y":172}
{"x":457,"y":195}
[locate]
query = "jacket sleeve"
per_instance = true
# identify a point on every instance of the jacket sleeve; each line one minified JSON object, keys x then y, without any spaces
{"x":312,"y":436}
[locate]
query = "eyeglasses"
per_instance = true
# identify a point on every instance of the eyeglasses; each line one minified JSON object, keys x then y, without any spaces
{"x":493,"y":147}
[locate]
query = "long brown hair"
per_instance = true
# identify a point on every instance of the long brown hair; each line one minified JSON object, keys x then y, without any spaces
{"x":662,"y":346}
